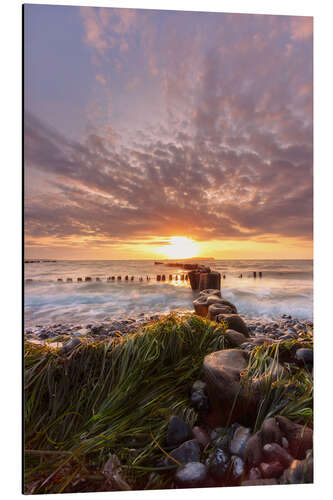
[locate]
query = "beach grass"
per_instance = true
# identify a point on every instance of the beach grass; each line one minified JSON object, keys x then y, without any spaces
{"x":110,"y":402}
{"x":111,"y":398}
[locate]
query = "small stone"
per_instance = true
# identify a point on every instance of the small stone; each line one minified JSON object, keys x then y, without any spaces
{"x":201,"y":436}
{"x":199,"y":400}
{"x":253,"y":450}
{"x":274,"y":452}
{"x":239,"y":440}
{"x":178,"y":431}
{"x":254,"y":473}
{"x":218,"y":463}
{"x":70,"y":345}
{"x":300,"y":438}
{"x":304,"y":357}
{"x":191,"y":475}
{"x":299,"y":472}
{"x":235,"y":338}
{"x":234,"y":322}
{"x":185,"y":453}
{"x":270,"y":470}
{"x":237,"y":468}
{"x":270,"y":431}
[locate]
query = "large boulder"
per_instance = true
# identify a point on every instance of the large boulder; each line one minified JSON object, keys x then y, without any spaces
{"x":234,"y":322}
{"x":222,"y":373}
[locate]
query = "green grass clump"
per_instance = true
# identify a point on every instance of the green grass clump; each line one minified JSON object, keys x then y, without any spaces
{"x":290,"y":393}
{"x":111,"y":398}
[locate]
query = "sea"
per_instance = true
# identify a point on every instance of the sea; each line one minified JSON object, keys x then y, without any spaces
{"x":286,"y":287}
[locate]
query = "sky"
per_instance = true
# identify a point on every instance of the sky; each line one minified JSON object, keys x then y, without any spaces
{"x":146,"y":127}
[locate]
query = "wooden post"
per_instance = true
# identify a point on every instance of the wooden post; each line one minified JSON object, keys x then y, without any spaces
{"x":158,"y":277}
{"x":260,"y":274}
{"x":87,"y":278}
{"x":118,"y":278}
{"x":132,"y":278}
{"x":126,"y":278}
{"x":79,"y":279}
{"x":163,"y":277}
{"x":254,"y":274}
{"x":69,"y":280}
{"x":170,"y":277}
{"x":59,"y":280}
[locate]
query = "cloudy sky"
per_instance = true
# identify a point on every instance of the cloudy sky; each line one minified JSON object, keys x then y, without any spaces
{"x":142,"y":125}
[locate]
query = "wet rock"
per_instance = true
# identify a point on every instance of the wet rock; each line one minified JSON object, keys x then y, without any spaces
{"x":263,"y":341}
{"x":304,"y":357}
{"x":185,"y":453}
{"x":234,"y":322}
{"x":253,"y":450}
{"x":222,"y":372}
{"x":191,"y":475}
{"x":239,"y":440}
{"x":210,"y":291}
{"x":274,"y":452}
{"x":178,"y":431}
{"x":218,"y":308}
{"x":218,"y":463}
{"x":199,"y":400}
{"x":237,"y":468}
{"x":271,"y":432}
{"x":235,"y":338}
{"x":69,"y":346}
{"x":259,"y":482}
{"x":300,"y":438}
{"x":208,"y":280}
{"x":254,"y":473}
{"x":201,"y":436}
{"x":271,"y":470}
{"x":299,"y":472}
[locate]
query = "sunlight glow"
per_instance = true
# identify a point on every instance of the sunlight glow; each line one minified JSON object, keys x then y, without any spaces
{"x":180,"y":247}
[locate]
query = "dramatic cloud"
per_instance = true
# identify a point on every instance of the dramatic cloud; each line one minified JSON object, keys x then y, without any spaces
{"x":204,"y":129}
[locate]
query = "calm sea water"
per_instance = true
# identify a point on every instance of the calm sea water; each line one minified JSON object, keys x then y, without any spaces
{"x":286,"y":287}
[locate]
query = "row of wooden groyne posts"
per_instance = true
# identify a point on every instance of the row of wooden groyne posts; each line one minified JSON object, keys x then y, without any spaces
{"x":195,"y":276}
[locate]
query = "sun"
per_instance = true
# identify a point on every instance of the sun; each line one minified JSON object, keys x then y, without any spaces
{"x":180,"y":247}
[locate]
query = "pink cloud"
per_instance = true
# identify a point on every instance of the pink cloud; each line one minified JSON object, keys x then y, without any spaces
{"x":301,"y":28}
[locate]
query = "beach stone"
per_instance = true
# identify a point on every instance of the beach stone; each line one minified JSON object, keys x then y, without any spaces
{"x":234,"y":322}
{"x":218,"y":308}
{"x":254,"y":473}
{"x":69,"y":346}
{"x":218,"y":463}
{"x":263,"y":341}
{"x":178,"y":431}
{"x":271,"y":432}
{"x":235,"y":338}
{"x":222,"y":372}
{"x":237,"y":468}
{"x":271,"y":470}
{"x":299,"y":472}
{"x":304,"y":357}
{"x":191,"y":475}
{"x":300,"y":438}
{"x":259,"y":482}
{"x":253,"y":453}
{"x":201,"y":436}
{"x":199,"y":400}
{"x":239,"y":440}
{"x":185,"y":453}
{"x":274,"y":452}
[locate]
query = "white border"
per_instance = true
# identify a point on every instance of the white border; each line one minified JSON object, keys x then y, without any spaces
{"x":11,"y":241}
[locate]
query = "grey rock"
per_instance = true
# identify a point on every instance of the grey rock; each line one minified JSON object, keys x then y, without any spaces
{"x":178,"y":431}
{"x":199,"y":385}
{"x":239,"y":440}
{"x":191,"y":475}
{"x":234,"y":322}
{"x":199,"y":400}
{"x":304,"y":357}
{"x":185,"y":453}
{"x":69,"y":346}
{"x":237,"y":468}
{"x":218,"y":463}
